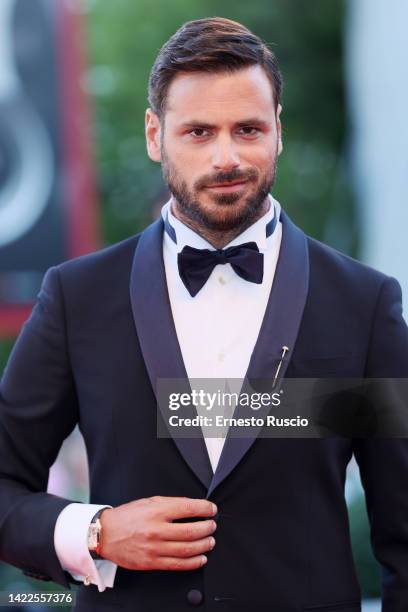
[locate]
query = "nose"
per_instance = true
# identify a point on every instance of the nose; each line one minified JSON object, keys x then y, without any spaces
{"x":225,"y":155}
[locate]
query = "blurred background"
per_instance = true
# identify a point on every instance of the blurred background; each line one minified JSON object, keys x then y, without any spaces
{"x":74,"y":174}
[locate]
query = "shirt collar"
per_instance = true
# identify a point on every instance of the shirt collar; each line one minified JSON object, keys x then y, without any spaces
{"x":254,"y":233}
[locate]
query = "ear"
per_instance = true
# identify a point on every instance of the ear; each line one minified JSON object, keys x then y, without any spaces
{"x":279,"y":129}
{"x":153,"y":135}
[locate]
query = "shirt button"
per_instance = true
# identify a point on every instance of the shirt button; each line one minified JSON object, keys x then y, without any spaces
{"x":221,"y":280}
{"x":195,"y":597}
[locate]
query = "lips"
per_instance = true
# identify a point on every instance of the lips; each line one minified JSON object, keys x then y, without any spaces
{"x":232,"y":184}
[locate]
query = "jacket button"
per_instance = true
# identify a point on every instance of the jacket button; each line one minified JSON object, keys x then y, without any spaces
{"x":195,"y":597}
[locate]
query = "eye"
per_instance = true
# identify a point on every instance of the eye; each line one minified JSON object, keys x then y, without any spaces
{"x":248,"y":130}
{"x":199,"y":133}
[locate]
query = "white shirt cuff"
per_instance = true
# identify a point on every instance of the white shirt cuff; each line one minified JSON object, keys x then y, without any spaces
{"x":71,"y":546}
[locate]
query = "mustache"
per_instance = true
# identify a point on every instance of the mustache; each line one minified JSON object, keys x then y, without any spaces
{"x":226,"y":177}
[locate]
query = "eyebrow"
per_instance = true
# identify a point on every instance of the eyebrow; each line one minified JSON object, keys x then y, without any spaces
{"x":252,"y":121}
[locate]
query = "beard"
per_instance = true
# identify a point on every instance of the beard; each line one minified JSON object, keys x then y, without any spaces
{"x":226,"y":211}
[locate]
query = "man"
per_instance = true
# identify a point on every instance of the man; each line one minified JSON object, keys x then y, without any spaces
{"x":222,"y":285}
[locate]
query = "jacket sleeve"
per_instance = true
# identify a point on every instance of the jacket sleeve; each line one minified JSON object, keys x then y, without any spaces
{"x":38,"y":410}
{"x":383,"y":462}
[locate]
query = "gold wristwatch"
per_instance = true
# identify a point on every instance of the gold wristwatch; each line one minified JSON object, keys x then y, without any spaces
{"x":95,"y":535}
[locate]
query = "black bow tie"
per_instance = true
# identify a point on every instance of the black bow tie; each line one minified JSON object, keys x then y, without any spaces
{"x":196,"y":265}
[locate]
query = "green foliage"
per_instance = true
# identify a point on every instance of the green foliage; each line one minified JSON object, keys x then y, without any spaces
{"x":5,"y":348}
{"x":367,"y":567}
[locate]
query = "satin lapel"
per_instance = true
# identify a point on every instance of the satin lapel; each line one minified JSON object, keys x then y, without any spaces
{"x":157,"y":335}
{"x":280,"y":327}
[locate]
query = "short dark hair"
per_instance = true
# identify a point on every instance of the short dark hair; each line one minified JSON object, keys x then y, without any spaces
{"x":213,"y":44}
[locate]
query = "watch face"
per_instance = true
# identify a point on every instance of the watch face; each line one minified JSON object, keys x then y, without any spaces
{"x":93,"y":536}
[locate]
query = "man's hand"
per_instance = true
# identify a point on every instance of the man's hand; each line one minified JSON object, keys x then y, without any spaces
{"x":141,"y":535}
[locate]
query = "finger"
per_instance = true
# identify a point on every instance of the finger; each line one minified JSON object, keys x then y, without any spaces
{"x":187,"y":532}
{"x":186,"y":507}
{"x":177,"y":564}
{"x":187,"y":549}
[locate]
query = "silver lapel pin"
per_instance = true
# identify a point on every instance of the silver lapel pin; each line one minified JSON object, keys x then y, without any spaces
{"x":278,"y":369}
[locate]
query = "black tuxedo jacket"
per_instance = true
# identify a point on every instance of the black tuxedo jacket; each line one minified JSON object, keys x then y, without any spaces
{"x":100,"y":336}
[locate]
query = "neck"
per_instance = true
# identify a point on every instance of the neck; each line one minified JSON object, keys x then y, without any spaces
{"x":217,"y":238}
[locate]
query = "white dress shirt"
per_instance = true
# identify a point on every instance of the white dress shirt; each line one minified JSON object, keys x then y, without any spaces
{"x":209,"y":329}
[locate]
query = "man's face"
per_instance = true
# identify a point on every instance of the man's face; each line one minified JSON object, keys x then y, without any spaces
{"x":218,"y":145}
